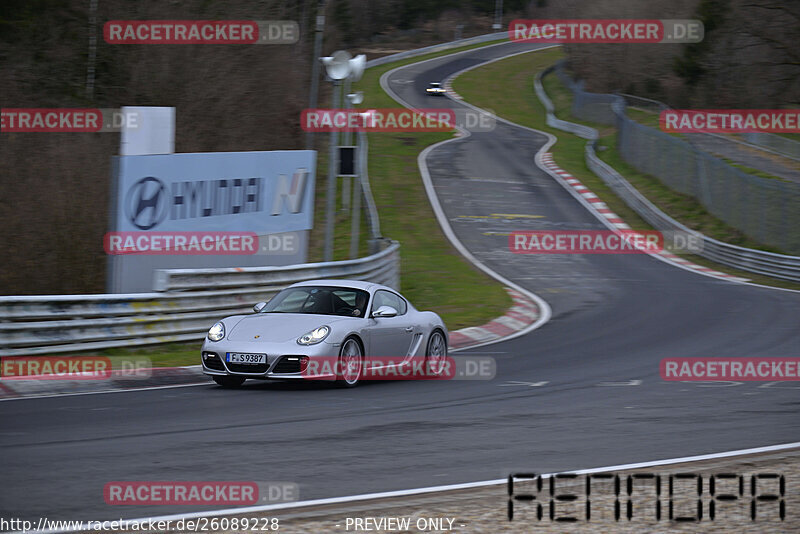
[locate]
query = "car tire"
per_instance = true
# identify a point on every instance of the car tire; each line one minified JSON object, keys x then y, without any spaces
{"x":436,"y":352}
{"x":350,"y":354}
{"x":229,"y":381}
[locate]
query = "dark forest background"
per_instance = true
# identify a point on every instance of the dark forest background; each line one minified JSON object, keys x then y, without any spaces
{"x":54,"y":187}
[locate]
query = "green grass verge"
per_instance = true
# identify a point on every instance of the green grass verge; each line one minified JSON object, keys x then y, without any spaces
{"x":166,"y":355}
{"x":787,"y":135}
{"x":507,"y":87}
{"x":754,"y":172}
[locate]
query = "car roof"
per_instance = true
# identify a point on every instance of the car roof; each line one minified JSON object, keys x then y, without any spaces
{"x":436,"y":83}
{"x":354,"y":284}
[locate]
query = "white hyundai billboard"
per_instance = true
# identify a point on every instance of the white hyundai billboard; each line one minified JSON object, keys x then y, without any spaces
{"x":222,"y":209}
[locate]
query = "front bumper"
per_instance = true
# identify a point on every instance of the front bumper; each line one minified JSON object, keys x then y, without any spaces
{"x":283,"y":360}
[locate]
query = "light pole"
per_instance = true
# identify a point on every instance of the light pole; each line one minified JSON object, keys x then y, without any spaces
{"x":340,"y":66}
{"x":498,"y":15}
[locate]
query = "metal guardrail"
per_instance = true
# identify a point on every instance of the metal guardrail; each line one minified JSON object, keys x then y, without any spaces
{"x":380,"y":267}
{"x":551,"y":120}
{"x":366,"y":190}
{"x":777,"y":144}
{"x":750,"y":260}
{"x":183,"y":310}
{"x":497,"y":36}
{"x":647,"y":104}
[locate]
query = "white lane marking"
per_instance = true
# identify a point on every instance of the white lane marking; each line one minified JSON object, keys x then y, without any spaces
{"x":106,"y":391}
{"x":771,"y":385}
{"x":716,"y":383}
{"x":450,"y":487}
{"x":618,"y":384}
{"x":518,"y":383}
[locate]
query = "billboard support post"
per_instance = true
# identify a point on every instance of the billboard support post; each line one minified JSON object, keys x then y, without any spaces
{"x":346,"y":135}
{"x":355,"y":220}
{"x":356,"y":213}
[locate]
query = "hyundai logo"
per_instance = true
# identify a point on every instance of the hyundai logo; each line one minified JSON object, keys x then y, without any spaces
{"x":147,"y":203}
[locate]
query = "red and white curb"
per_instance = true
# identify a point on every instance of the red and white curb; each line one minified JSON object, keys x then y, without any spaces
{"x":602,"y":210}
{"x":448,"y":87}
{"x":522,"y":314}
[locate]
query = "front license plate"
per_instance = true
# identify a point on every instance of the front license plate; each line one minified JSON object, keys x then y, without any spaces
{"x":254,"y":359}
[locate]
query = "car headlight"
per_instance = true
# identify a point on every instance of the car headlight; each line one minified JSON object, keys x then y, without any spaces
{"x":216,"y":332}
{"x":315,"y":336}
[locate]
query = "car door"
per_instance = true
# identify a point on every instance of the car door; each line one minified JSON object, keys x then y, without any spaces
{"x":391,"y":337}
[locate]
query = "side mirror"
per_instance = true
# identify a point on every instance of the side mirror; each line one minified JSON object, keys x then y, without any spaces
{"x":258,"y":307}
{"x":384,"y":311}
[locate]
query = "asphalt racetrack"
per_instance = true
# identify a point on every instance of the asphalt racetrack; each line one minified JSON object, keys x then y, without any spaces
{"x":582,"y":391}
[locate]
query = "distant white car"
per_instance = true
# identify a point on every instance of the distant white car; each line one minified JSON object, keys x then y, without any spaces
{"x":435,"y":89}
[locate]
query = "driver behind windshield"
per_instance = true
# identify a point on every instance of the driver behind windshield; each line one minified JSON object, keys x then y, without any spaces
{"x":320,"y":300}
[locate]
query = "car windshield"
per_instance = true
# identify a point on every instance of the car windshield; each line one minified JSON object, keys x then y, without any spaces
{"x":319,"y":300}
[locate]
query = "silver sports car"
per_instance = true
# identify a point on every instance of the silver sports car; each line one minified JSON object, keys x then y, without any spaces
{"x":317,"y":321}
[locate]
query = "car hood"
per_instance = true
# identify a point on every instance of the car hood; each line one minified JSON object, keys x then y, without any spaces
{"x":279,"y":327}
